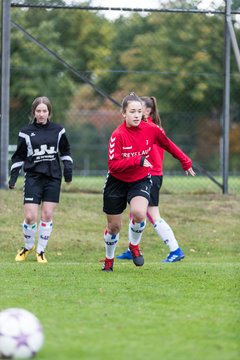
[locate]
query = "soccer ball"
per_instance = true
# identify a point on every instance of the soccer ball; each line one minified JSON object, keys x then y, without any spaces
{"x":21,"y":334}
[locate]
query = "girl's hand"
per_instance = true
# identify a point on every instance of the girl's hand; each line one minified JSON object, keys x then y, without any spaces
{"x":146,"y":163}
{"x":190,"y":171}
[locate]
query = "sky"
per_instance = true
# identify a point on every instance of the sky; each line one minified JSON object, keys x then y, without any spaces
{"x":145,"y":3}
{"x":150,"y":4}
{"x":125,"y":4}
{"x":153,"y":4}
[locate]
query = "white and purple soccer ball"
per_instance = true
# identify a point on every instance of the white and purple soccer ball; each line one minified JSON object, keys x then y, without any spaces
{"x":21,"y":334}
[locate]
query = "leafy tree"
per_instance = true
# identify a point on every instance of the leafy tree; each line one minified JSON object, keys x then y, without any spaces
{"x":124,"y":31}
{"x":176,"y":57}
{"x":184,"y":55}
{"x":35,"y":72}
{"x":235,"y":5}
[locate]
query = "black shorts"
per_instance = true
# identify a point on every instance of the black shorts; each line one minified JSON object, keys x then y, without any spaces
{"x":155,"y":189}
{"x":39,"y":187}
{"x":117,"y":193}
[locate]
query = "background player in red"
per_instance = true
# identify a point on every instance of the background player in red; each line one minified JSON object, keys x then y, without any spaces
{"x":128,"y":179}
{"x":40,"y":144}
{"x":163,"y":230}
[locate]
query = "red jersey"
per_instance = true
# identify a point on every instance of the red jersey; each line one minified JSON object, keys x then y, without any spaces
{"x":156,"y":156}
{"x":128,"y":145}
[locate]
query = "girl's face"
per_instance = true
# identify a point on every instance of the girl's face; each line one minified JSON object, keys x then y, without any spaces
{"x":133,"y":114}
{"x":41,"y":114}
{"x":146,"y":110}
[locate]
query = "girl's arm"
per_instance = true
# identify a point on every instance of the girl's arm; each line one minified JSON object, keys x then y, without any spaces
{"x":17,"y":161}
{"x":173,"y":149}
{"x":117,"y":162}
{"x":65,"y":156}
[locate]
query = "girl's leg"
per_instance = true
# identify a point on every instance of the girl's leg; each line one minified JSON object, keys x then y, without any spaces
{"x":29,"y":230}
{"x":111,"y":237}
{"x":30,"y":224}
{"x":162,"y":228}
{"x":165,"y":232}
{"x":137,"y":223}
{"x":138,"y":208}
{"x":111,"y":234}
{"x":126,"y":255}
{"x":31,"y":192}
{"x":45,"y":227}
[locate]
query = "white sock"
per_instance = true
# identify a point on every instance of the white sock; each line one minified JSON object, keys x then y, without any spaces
{"x":135,"y":231}
{"x":44,"y":232}
{"x":166,"y":234}
{"x":111,"y":241}
{"x":29,"y":232}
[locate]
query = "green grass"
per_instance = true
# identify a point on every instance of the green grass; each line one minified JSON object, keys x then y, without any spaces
{"x":187,"y":310}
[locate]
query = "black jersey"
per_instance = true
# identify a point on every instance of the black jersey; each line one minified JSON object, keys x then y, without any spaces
{"x":38,"y":150}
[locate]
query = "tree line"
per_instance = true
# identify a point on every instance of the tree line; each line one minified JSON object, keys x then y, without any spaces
{"x":178,"y":58}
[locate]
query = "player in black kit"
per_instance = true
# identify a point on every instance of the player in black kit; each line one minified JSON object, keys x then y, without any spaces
{"x":40,"y":145}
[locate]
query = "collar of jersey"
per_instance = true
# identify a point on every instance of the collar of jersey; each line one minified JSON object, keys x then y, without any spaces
{"x":41,"y":125}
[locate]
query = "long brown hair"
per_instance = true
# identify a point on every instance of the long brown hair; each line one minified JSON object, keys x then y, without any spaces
{"x":41,"y":100}
{"x":151,"y":102}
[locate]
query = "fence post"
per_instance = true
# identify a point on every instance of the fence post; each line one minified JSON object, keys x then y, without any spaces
{"x":5,"y":72}
{"x":226,"y":99}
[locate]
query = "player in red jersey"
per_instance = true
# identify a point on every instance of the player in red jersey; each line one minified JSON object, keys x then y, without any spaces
{"x":129,"y":180}
{"x":163,"y":230}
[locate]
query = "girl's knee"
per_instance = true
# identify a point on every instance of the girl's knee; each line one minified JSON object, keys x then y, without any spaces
{"x":138,"y":216}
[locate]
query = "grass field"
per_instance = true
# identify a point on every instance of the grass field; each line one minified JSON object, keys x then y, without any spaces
{"x":186,"y":310}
